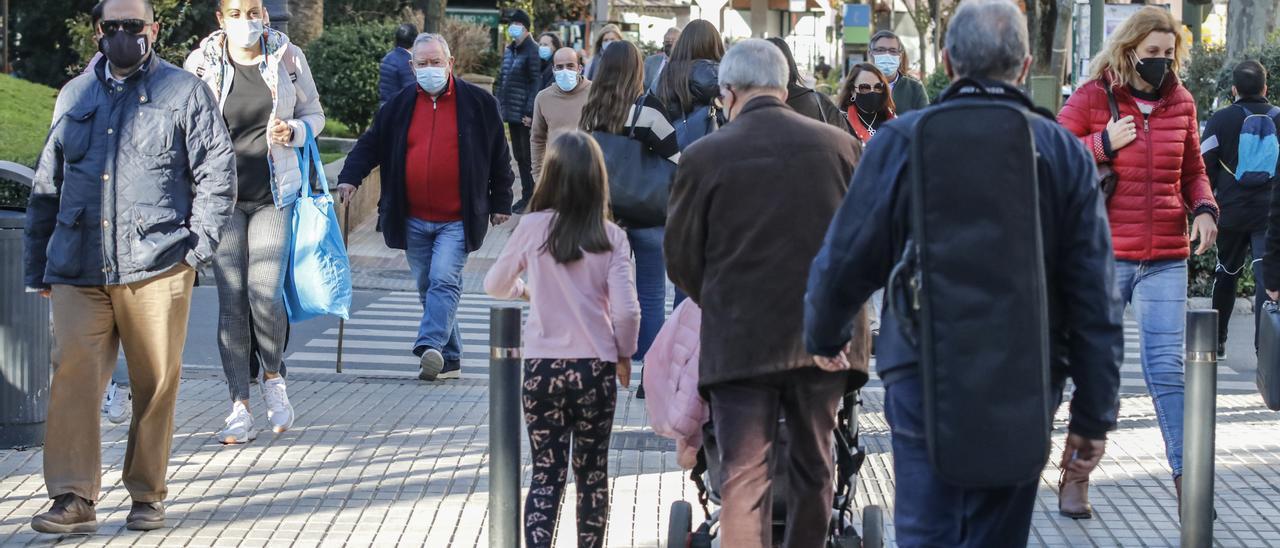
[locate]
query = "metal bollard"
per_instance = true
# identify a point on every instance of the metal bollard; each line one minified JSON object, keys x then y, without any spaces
{"x":1199,"y":419}
{"x":504,"y":427}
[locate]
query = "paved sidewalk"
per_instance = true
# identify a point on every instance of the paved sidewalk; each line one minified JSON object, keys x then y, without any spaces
{"x":377,"y":461}
{"x":375,"y":266}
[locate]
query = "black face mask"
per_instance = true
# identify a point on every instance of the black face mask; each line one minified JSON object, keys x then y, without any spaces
{"x":1153,"y":70}
{"x":666,"y":49}
{"x":869,"y":103}
{"x":124,"y":50}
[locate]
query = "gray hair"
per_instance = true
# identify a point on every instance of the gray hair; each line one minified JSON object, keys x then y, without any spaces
{"x":988,"y":39}
{"x":427,"y":37}
{"x":752,"y":64}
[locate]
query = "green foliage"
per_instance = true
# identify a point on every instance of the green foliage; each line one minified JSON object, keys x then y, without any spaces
{"x":1208,"y":74}
{"x":341,"y":12}
{"x":936,"y":83}
{"x":25,"y":112}
{"x":344,"y":62}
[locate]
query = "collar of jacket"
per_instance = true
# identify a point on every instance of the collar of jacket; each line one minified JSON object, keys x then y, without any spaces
{"x":138,"y":78}
{"x":991,"y":89}
{"x":761,"y":103}
{"x":214,"y":56}
{"x":1254,"y":99}
{"x":1171,"y":82}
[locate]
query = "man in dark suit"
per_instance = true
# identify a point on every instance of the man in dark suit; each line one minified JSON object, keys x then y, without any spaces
{"x":395,"y":73}
{"x":654,"y":64}
{"x":446,"y":176}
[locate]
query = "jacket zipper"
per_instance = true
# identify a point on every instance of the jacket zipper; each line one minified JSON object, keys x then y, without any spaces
{"x":1146,"y":131}
{"x":431,"y":146}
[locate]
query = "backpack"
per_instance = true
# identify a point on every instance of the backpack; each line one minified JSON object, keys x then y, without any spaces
{"x":1258,"y":150}
{"x":981,"y":325}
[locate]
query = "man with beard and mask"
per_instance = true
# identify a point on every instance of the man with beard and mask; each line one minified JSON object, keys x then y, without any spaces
{"x":725,"y":220}
{"x":654,"y":64}
{"x":132,"y":189}
{"x":446,"y":176}
{"x":559,"y":108}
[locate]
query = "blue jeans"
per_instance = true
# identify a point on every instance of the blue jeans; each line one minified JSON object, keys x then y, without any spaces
{"x":931,"y":512}
{"x":1157,"y":290}
{"x":436,"y":253}
{"x":651,"y":284}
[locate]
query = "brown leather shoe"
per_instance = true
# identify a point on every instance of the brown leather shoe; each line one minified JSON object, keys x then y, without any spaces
{"x":70,"y":515}
{"x":1073,"y":496}
{"x":145,"y":516}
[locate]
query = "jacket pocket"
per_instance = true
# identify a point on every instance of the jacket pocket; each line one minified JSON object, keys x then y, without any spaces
{"x":75,"y":135}
{"x":64,"y":254}
{"x":156,"y":231}
{"x":153,"y":131}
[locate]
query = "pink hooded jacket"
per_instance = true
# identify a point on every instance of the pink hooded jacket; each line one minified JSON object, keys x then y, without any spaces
{"x":676,"y":409}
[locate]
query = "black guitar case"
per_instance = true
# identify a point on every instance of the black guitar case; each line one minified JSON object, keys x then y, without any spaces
{"x":981,"y":302}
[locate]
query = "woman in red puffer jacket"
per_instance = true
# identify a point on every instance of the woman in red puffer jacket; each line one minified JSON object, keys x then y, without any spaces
{"x":1154,"y":151}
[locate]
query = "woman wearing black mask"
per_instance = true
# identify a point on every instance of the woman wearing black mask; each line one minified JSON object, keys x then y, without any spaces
{"x":867,"y":98}
{"x":1152,"y":147}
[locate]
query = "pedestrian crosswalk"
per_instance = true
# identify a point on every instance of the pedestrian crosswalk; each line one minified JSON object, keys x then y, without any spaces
{"x":378,"y":341}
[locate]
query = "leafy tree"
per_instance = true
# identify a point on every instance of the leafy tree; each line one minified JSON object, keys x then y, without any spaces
{"x":344,"y":61}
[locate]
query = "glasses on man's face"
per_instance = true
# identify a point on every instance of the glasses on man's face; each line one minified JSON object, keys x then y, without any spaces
{"x":869,"y":88}
{"x":131,"y":26}
{"x":886,"y":51}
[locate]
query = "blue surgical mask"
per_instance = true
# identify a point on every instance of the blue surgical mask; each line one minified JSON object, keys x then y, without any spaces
{"x":888,"y":64}
{"x":566,"y":80}
{"x":515,"y":31}
{"x":544,"y":52}
{"x":432,"y":79}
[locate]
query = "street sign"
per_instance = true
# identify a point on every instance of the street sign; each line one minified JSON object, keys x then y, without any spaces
{"x":857,"y":24}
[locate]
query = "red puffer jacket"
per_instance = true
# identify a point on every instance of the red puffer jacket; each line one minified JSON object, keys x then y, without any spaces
{"x":1161,"y":175}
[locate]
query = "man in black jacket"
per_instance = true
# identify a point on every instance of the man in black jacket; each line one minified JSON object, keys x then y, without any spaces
{"x":987,"y":46}
{"x":446,"y":176}
{"x":518,"y":85}
{"x":1243,"y":224}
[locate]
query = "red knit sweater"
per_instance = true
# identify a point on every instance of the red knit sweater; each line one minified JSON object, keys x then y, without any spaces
{"x":431,"y":177}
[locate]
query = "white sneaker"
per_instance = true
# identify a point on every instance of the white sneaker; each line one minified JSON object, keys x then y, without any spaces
{"x":119,"y":404}
{"x":239,"y":427}
{"x":279,"y":410}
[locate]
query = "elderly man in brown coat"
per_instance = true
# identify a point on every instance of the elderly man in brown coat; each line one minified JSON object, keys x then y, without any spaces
{"x":749,"y":208}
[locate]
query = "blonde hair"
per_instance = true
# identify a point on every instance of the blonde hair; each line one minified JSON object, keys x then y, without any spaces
{"x":1116,"y":62}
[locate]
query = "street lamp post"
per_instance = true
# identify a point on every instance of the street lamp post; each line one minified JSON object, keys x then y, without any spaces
{"x":279,"y":12}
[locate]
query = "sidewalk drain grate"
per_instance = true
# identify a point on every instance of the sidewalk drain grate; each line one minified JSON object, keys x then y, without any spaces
{"x":641,"y":441}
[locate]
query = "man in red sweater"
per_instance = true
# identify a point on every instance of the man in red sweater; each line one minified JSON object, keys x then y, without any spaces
{"x":446,"y":176}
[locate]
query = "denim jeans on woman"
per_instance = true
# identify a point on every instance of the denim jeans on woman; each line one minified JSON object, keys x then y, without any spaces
{"x":651,"y":284}
{"x":436,"y":253}
{"x":1157,"y":292}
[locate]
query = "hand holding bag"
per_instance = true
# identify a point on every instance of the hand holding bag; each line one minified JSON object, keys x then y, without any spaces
{"x":639,"y":179}
{"x":319,"y":279}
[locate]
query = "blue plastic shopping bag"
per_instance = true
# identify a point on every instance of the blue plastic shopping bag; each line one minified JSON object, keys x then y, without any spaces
{"x":319,"y":278}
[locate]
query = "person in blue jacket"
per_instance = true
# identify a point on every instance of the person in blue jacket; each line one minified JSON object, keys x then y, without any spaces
{"x":986,"y":48}
{"x":395,"y":73}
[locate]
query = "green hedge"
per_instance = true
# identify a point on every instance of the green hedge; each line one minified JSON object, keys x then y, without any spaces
{"x":345,"y":61}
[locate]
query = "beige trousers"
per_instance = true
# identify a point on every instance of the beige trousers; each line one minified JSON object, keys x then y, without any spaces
{"x":89,"y":324}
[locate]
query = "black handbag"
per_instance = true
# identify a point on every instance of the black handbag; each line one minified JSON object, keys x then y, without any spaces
{"x":639,"y":179}
{"x":1269,"y":355}
{"x":1107,"y":177}
{"x":698,"y":123}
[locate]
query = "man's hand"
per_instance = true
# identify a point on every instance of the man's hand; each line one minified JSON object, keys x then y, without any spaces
{"x":345,"y":191}
{"x":1081,"y":455}
{"x":1204,"y":229}
{"x":1273,"y":295}
{"x":527,"y":121}
{"x":834,"y":364}
{"x":281,"y":133}
{"x":624,"y":371}
{"x":498,"y":218}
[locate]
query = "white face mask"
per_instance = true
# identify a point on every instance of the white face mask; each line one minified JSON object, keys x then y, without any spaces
{"x":243,"y":33}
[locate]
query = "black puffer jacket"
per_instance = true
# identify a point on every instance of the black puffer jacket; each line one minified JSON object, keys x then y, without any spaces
{"x":519,"y":81}
{"x":817,"y":106}
{"x":704,"y":88}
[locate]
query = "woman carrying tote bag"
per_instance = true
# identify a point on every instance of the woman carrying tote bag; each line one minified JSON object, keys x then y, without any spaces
{"x":618,"y":105}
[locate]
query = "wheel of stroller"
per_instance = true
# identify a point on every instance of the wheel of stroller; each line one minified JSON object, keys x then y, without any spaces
{"x":679,"y":525}
{"x":872,"y":527}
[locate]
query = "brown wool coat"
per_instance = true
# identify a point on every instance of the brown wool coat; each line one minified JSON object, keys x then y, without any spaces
{"x":749,"y":209}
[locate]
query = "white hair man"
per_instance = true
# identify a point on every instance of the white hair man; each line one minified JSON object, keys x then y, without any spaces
{"x":769,"y":204}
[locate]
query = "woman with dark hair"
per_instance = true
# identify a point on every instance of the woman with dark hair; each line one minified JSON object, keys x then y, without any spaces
{"x":616,"y":103}
{"x":691,"y":78}
{"x":582,"y":296}
{"x":805,"y":100}
{"x":548,"y":44}
{"x":867,"y":99}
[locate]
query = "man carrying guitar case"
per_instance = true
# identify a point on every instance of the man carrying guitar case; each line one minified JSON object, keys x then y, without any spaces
{"x":983,"y":219}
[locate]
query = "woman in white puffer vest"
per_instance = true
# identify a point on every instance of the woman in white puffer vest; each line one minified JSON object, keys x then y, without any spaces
{"x":268,"y":98}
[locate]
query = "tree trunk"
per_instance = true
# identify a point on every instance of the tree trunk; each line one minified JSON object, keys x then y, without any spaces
{"x":924,"y":53}
{"x":432,"y":14}
{"x":1249,"y":22}
{"x":306,"y":21}
{"x":1058,"y":58}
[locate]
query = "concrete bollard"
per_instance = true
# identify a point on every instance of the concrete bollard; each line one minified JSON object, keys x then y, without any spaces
{"x":1199,"y":420}
{"x":504,"y":427}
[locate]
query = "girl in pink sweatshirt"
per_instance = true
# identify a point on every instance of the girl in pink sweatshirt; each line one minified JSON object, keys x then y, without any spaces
{"x":582,"y":327}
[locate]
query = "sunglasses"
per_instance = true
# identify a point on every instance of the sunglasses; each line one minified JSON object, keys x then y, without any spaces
{"x":868,"y":88}
{"x":130,"y":26}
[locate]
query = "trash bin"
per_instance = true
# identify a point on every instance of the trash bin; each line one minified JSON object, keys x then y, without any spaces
{"x":25,"y":343}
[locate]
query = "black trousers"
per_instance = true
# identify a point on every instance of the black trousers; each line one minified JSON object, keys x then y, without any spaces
{"x":1234,"y":247}
{"x":524,"y":158}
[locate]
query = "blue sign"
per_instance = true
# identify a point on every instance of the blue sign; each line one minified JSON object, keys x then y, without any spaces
{"x":857,"y":15}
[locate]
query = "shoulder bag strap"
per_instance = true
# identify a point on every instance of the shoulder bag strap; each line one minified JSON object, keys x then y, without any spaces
{"x":1111,"y":102}
{"x":821,"y":111}
{"x":635,"y":117}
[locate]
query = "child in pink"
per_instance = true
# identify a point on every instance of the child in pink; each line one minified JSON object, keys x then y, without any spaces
{"x":583,"y":323}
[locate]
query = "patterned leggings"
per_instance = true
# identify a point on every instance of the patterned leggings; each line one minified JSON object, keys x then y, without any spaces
{"x":566,"y":399}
